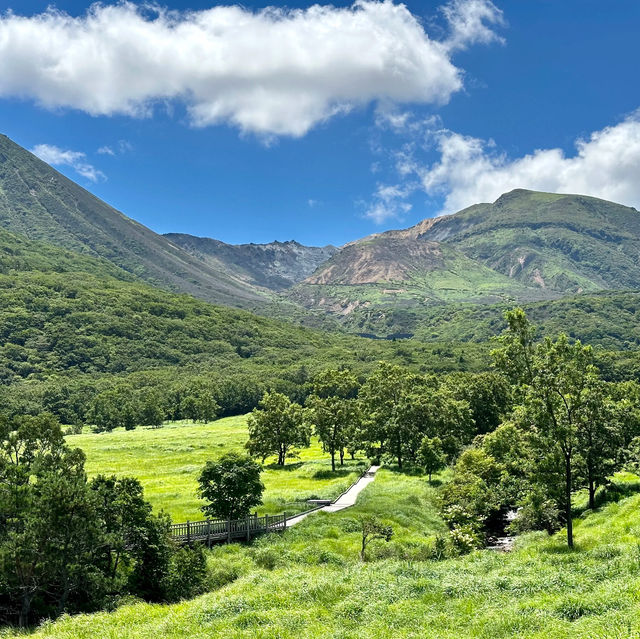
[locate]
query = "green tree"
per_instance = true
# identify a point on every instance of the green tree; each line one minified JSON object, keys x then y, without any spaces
{"x":276,"y":427}
{"x":152,"y":408}
{"x":48,"y":524}
{"x":334,"y":411}
{"x":489,"y":397}
{"x":231,"y":486}
{"x":372,"y":528}
{"x":400,"y":408}
{"x":431,"y":456}
{"x":562,"y":405}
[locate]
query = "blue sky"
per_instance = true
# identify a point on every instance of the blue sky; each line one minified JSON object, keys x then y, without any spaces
{"x":537,"y":94}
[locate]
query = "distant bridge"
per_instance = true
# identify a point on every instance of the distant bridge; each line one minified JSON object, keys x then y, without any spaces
{"x":214,"y":531}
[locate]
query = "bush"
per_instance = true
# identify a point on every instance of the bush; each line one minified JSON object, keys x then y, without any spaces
{"x":186,"y":575}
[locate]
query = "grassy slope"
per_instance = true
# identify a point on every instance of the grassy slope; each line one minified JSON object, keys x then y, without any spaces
{"x":167,"y":461}
{"x":314,"y":586}
{"x":565,"y":243}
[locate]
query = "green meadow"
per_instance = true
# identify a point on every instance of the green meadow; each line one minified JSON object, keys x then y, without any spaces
{"x":167,"y":462}
{"x":309,"y":582}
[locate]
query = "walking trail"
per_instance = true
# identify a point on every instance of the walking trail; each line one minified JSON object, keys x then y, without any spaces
{"x":346,"y":500}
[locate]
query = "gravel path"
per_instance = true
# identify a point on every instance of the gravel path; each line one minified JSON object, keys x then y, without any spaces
{"x":346,"y":500}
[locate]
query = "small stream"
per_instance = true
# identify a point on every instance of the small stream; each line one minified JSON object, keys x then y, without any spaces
{"x":506,"y":543}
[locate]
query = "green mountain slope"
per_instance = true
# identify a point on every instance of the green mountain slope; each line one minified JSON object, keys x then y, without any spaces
{"x":526,"y":247}
{"x":562,"y":243}
{"x":64,"y":313}
{"x":38,"y":202}
{"x":275,"y":266}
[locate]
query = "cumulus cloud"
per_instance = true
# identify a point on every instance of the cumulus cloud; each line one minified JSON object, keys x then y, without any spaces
{"x":75,"y":159}
{"x":606,"y":164}
{"x":271,"y":72}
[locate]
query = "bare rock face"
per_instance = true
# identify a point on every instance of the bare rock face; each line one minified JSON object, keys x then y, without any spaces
{"x":275,"y":266}
{"x":379,"y":260}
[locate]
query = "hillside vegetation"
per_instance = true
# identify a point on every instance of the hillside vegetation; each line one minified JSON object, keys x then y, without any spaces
{"x":309,"y":583}
{"x":525,"y":247}
{"x":73,"y":325}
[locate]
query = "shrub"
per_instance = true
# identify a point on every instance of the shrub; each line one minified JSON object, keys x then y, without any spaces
{"x":186,"y":574}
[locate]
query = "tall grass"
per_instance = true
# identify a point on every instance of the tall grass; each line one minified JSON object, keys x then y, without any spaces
{"x":309,"y":583}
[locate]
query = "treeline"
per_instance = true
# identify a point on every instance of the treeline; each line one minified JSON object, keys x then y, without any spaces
{"x":393,"y":413}
{"x":68,"y":544}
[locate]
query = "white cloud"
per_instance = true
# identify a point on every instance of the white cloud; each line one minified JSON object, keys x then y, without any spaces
{"x":470,"y":170}
{"x":75,"y":159}
{"x":123,"y":146}
{"x":272,"y":72}
{"x":389,"y":202}
{"x":469,"y":22}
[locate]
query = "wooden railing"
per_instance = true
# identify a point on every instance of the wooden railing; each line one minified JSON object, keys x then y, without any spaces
{"x":226,"y":530}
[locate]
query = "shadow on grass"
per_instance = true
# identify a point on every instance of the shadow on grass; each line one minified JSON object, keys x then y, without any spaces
{"x":613,"y":492}
{"x":286,"y":467}
{"x":409,"y":470}
{"x":330,"y":474}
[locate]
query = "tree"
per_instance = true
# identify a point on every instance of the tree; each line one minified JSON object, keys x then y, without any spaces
{"x":430,"y":455}
{"x":152,"y":408}
{"x":599,"y":438}
{"x":198,"y":404}
{"x":489,"y":397}
{"x":387,"y":412}
{"x":48,"y":527}
{"x":231,"y":486}
{"x":277,"y":426}
{"x":400,"y":408}
{"x":372,"y":528}
{"x":333,"y":411}
{"x":115,"y":408}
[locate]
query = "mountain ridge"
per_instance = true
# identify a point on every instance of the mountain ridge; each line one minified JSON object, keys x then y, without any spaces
{"x":40,"y":203}
{"x":275,"y":266}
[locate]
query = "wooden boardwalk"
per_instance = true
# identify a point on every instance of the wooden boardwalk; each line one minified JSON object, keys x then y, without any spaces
{"x":214,"y":531}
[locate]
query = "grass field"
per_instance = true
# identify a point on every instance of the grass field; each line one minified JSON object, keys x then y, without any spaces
{"x":167,"y":461}
{"x":309,"y":583}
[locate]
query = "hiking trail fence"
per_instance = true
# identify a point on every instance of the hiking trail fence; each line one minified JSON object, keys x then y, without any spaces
{"x":226,"y":530}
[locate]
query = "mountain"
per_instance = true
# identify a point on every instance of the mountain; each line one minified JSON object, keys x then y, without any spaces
{"x":563,"y":243}
{"x":39,"y":203}
{"x":275,"y":266}
{"x":525,"y":247}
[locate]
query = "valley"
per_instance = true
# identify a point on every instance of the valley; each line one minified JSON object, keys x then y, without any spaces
{"x":131,"y":362}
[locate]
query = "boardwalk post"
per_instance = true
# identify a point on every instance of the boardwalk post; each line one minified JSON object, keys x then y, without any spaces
{"x":284,"y":521}
{"x":188,"y":532}
{"x":229,"y":530}
{"x":248,"y":521}
{"x":209,"y":533}
{"x":266,"y":523}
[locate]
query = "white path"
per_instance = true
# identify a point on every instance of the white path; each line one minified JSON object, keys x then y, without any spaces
{"x":346,"y":500}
